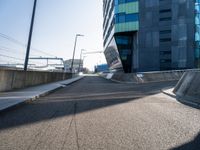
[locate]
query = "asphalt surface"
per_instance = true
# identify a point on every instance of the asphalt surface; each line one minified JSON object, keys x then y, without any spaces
{"x":95,"y":113}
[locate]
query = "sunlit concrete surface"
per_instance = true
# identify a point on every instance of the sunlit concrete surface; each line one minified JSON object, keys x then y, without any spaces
{"x":13,"y":98}
{"x":19,"y":79}
{"x":95,"y":113}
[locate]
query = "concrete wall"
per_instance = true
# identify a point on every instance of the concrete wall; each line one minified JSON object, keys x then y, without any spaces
{"x":147,"y":77}
{"x":16,"y":79}
{"x":189,"y":86}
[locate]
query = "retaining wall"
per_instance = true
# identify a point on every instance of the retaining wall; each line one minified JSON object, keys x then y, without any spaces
{"x":146,"y":77}
{"x":16,"y":79}
{"x":189,"y":86}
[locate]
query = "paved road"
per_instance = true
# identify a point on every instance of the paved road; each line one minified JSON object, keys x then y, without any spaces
{"x":95,"y":113}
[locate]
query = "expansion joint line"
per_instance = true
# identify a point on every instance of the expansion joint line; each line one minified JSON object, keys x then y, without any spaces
{"x":73,"y":120}
{"x":75,"y":123}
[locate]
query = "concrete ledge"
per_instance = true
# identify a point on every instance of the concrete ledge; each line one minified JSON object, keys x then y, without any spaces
{"x":144,"y":77}
{"x":12,"y":99}
{"x":184,"y":100}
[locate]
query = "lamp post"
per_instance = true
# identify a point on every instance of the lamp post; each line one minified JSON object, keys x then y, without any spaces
{"x":30,"y":36}
{"x":77,"y":35}
{"x":80,"y":60}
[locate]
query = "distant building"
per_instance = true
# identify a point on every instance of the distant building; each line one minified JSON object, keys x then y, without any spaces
{"x":151,"y":35}
{"x":76,"y":64}
{"x":101,"y":68}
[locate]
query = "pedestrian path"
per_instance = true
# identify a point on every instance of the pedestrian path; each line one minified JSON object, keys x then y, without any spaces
{"x":10,"y":99}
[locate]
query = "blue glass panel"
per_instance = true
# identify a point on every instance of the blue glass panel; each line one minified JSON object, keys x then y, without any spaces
{"x":122,"y":40}
{"x":122,"y":17}
{"x":197,"y":53}
{"x":117,"y":2}
{"x":197,"y":28}
{"x":131,"y":17}
{"x":197,"y":36}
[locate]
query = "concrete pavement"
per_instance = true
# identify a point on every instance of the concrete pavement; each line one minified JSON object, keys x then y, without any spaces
{"x":11,"y":99}
{"x":95,"y":113}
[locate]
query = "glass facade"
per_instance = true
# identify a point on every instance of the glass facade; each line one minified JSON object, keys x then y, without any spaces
{"x":126,"y":24}
{"x":126,"y":15}
{"x":117,"y":2}
{"x":135,"y":31}
{"x":124,"y":45}
{"x":121,"y":22}
{"x":197,"y":32}
{"x":122,"y":17}
{"x":112,"y":55}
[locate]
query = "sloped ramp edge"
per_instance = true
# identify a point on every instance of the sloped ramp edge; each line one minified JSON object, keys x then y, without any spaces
{"x":188,"y":86}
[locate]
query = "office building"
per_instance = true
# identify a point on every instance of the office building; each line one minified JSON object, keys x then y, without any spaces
{"x":77,"y":65}
{"x":151,"y":35}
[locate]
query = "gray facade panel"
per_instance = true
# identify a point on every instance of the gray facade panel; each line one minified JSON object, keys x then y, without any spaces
{"x":183,"y":34}
{"x":167,"y":30}
{"x":149,"y":36}
{"x":151,"y":63}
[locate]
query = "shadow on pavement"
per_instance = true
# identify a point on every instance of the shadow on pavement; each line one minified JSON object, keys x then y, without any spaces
{"x":192,"y":145}
{"x":77,"y":98}
{"x":47,"y":110}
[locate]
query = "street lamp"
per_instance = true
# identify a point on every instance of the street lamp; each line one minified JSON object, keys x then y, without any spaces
{"x":80,"y":60}
{"x":30,"y":36}
{"x":77,"y":35}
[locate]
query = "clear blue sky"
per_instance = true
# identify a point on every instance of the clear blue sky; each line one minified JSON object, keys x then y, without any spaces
{"x":56,"y":24}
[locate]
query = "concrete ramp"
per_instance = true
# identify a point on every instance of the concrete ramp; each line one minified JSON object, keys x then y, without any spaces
{"x":188,"y":86}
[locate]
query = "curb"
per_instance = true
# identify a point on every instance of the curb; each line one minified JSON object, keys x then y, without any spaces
{"x":138,"y":82}
{"x":78,"y":78}
{"x":31,"y":99}
{"x":181,"y":100}
{"x":166,"y":93}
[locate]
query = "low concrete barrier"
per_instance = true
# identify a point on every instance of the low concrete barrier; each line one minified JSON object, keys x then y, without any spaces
{"x":146,"y":77}
{"x":16,"y":79}
{"x":188,"y":86}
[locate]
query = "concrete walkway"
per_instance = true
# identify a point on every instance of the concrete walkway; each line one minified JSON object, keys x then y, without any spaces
{"x":10,"y":99}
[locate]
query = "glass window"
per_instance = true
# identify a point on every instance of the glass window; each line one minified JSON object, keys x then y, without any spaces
{"x":121,"y":18}
{"x":123,"y":40}
{"x":121,"y":1}
{"x":117,"y":2}
{"x":197,"y":29}
{"x":131,"y":17}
